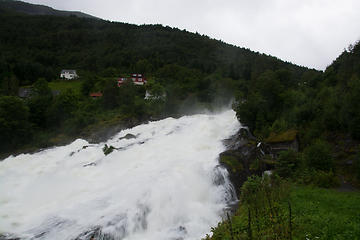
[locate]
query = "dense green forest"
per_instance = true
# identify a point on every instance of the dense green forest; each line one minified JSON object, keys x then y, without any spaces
{"x":321,"y":102}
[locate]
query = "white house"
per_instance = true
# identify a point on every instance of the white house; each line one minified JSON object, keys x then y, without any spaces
{"x":68,"y":74}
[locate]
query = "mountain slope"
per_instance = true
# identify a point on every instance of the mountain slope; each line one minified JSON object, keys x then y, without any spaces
{"x":35,"y":9}
{"x":94,"y":45}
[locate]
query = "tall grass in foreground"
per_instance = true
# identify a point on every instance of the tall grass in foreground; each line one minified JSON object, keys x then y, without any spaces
{"x":271,"y":208}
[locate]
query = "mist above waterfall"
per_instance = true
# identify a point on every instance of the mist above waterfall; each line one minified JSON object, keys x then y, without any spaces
{"x":162,"y":183}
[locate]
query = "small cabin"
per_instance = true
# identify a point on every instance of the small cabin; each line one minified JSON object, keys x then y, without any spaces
{"x":282,"y":141}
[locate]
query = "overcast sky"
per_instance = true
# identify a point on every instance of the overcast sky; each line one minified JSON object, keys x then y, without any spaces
{"x":309,"y":33}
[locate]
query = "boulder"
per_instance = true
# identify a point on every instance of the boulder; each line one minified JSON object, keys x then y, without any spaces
{"x":128,"y":136}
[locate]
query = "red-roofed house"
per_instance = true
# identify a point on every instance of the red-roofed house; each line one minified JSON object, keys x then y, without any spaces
{"x":137,"y":78}
{"x":96,"y":95}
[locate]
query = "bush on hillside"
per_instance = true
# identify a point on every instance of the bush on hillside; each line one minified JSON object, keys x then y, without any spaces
{"x":287,"y":163}
{"x":318,"y":178}
{"x":317,"y":156}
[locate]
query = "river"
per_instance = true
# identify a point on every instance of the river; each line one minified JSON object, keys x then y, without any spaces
{"x":162,"y":182}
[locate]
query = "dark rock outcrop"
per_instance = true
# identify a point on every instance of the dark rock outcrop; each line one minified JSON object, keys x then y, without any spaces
{"x":243,"y":158}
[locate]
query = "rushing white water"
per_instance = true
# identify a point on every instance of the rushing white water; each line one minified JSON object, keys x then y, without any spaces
{"x":163,"y":184}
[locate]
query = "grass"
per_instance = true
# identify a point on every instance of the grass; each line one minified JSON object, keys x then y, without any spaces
{"x":64,"y":84}
{"x":325,"y":213}
{"x":307,"y":213}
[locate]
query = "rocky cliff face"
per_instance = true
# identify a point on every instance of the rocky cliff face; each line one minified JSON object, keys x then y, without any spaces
{"x":243,"y":158}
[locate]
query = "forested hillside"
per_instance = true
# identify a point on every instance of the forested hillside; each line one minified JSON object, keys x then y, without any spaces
{"x":322,"y":102}
{"x":50,"y":44}
{"x":191,"y":69}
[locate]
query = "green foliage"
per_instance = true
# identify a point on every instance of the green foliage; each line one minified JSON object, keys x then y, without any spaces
{"x":157,"y":91}
{"x":351,"y":114}
{"x":251,"y":110}
{"x":280,"y":126}
{"x":87,"y":86}
{"x":317,"y":156}
{"x":288,"y":162}
{"x":313,"y":103}
{"x":302,"y":213}
{"x":66,"y":104}
{"x":263,"y":212}
{"x":41,"y":88}
{"x":270,"y":88}
{"x":14,"y":125}
{"x":312,"y":167}
{"x":127,"y":96}
{"x":310,"y":131}
{"x":265,"y":101}
{"x":356,"y":162}
{"x":9,"y":85}
{"x":282,"y":136}
{"x":110,"y":95}
{"x":39,"y":103}
{"x":63,"y":85}
{"x":318,"y":178}
{"x":325,"y":214}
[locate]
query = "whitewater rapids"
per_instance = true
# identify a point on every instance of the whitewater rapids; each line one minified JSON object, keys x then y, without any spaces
{"x":164,"y":182}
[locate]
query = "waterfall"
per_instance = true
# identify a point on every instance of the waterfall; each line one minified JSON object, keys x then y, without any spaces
{"x":161,"y":181}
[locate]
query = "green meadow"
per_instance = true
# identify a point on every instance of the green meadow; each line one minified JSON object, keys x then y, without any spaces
{"x":62,"y":85}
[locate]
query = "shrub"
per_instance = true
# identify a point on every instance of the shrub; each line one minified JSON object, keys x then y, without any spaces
{"x":287,"y":163}
{"x":264,"y":212}
{"x":319,"y":178}
{"x":318,"y":156}
{"x":357,"y":165}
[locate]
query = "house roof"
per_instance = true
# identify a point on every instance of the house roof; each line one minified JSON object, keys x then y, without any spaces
{"x":55,"y":92}
{"x":99,"y":94}
{"x":68,"y":71}
{"x":25,"y":92}
{"x":287,"y":136}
